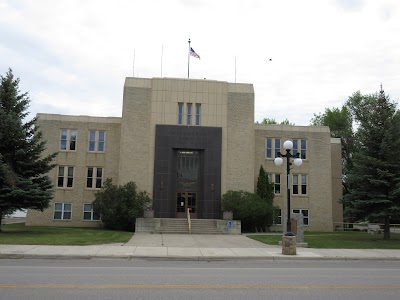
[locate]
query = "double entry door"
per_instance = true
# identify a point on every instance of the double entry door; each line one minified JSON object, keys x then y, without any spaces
{"x":185,"y":201}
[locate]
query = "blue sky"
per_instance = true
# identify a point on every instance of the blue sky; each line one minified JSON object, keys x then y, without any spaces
{"x":73,"y":56}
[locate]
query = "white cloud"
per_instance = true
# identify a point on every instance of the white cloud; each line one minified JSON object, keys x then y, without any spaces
{"x":73,"y":56}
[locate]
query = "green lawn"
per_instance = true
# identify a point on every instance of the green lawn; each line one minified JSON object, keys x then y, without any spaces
{"x":19,"y":234}
{"x":338,"y":240}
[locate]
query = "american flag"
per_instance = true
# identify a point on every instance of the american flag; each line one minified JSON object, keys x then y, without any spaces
{"x":193,"y":53}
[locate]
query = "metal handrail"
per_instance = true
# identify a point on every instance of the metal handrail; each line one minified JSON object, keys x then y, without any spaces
{"x":189,"y":221}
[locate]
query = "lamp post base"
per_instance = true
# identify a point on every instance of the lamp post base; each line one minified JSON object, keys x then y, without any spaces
{"x":289,"y":245}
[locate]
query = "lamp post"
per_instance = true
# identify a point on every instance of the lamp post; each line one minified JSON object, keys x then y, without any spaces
{"x":288,"y":145}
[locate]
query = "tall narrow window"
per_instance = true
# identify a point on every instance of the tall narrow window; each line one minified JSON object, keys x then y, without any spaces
{"x":304,"y":184}
{"x":278,"y":216}
{"x":72,"y":142}
{"x":92,"y":140}
{"x":65,"y":177}
{"x":60,"y":182}
{"x":63,"y":142}
{"x":268,"y":148}
{"x":62,"y":211}
{"x":295,"y":189}
{"x":303,"y":153}
{"x":189,"y":114}
{"x":94,"y":178}
{"x":295,"y":147}
{"x":198,"y":111}
{"x":97,"y":141}
{"x":102,"y":140}
{"x":99,"y":177}
{"x":180,"y":113}
{"x":277,"y":146}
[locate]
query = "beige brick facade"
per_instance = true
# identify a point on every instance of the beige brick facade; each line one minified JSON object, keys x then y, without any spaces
{"x":130,"y":141}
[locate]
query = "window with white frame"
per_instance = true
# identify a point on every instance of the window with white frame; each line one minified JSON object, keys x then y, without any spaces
{"x":65,"y":177}
{"x":198,"y":111}
{"x":180,"y":113}
{"x":300,"y":146}
{"x":306,"y":216}
{"x":189,"y":114}
{"x":62,"y":211}
{"x":272,"y":147}
{"x":94,"y":178}
{"x":299,"y":186}
{"x":68,"y":139}
{"x":97,"y":140}
{"x":89,"y":214}
{"x":278,"y":216}
{"x":276,"y":180}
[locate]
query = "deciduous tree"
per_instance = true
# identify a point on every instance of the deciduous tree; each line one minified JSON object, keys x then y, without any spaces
{"x":119,"y":206}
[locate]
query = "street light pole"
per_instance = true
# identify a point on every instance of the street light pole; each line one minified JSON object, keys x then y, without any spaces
{"x":288,"y":145}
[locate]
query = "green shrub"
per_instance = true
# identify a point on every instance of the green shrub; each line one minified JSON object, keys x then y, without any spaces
{"x":249,"y":208}
{"x":119,"y":206}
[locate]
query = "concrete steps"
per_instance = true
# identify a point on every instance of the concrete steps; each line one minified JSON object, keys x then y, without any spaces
{"x":173,"y":226}
{"x":205,"y":226}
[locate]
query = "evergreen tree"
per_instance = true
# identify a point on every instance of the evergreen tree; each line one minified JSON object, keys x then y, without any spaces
{"x":374,"y":179}
{"x":265,"y":190}
{"x":23,"y":180}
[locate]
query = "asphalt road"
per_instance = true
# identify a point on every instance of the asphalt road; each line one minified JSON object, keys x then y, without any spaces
{"x":140,"y":279}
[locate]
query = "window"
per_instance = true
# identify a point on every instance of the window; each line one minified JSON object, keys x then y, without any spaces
{"x":276,"y":180}
{"x":198,"y":110}
{"x":272,"y":147}
{"x":96,"y":141}
{"x":278,"y":216}
{"x":299,"y":184}
{"x":305,"y":215}
{"x":62,"y":211}
{"x":65,"y":177}
{"x":89,"y":214}
{"x":302,"y":149}
{"x":68,"y":140}
{"x":180,"y":113}
{"x":94,"y":178}
{"x":189,"y":114}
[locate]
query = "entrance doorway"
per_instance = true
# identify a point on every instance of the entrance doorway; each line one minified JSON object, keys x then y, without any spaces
{"x":185,"y":201}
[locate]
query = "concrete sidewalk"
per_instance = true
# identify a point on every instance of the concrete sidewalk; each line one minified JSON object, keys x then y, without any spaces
{"x":191,"y":247}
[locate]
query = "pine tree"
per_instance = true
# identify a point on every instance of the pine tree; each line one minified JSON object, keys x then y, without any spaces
{"x":23,"y":180}
{"x":265,"y":190}
{"x":374,"y":179}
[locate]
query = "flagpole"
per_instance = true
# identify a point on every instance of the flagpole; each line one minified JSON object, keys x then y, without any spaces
{"x":162,"y":52}
{"x":188,"y":57}
{"x":134,"y":54}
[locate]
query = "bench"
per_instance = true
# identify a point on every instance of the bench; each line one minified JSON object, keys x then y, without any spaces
{"x":374,"y":228}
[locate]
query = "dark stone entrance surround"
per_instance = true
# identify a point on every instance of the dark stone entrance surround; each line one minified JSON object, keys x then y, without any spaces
{"x":208,"y":141}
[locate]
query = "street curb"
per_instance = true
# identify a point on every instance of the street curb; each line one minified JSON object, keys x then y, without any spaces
{"x":198,"y":258}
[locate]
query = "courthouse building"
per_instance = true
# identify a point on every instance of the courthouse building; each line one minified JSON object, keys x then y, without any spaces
{"x":187,"y":142}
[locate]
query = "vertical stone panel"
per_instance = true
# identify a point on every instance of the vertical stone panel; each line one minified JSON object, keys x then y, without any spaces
{"x":239,"y":162}
{"x":135,"y":130}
